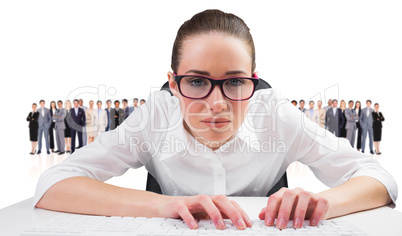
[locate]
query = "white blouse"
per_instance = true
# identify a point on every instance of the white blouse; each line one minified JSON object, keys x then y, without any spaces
{"x":274,"y":134}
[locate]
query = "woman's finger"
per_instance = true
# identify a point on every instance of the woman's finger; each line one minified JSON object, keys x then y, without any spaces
{"x":243,"y":213}
{"x":186,"y":216}
{"x":285,"y":209}
{"x":213,"y":212}
{"x":302,"y":204}
{"x":262,"y":214}
{"x":230,"y":210}
{"x":319,"y":211}
{"x":274,"y":202}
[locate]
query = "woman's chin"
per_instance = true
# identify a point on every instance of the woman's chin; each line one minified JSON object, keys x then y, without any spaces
{"x":216,"y":137}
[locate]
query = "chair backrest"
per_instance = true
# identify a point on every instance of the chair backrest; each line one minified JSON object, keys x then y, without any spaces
{"x":153,"y":185}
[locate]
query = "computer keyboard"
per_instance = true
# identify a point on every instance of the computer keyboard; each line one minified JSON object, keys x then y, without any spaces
{"x":85,"y":225}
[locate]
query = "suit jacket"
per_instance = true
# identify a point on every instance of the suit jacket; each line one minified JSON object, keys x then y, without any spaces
{"x":100,"y":121}
{"x":351,"y":122}
{"x":131,"y":109}
{"x":366,"y":121}
{"x":319,"y":116}
{"x":113,"y":115}
{"x":77,"y":121}
{"x":46,"y":120}
{"x":377,"y":119}
{"x":334,"y":121}
{"x":108,"y":117}
{"x":59,"y":116}
{"x":33,"y":119}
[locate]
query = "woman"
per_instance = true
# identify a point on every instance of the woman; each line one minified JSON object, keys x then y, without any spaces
{"x":90,"y":116}
{"x":213,"y":79}
{"x":67,"y":131}
{"x":33,"y":128}
{"x":319,"y":115}
{"x":359,"y":129}
{"x":343,"y":128}
{"x":378,"y":118}
{"x":52,"y":126}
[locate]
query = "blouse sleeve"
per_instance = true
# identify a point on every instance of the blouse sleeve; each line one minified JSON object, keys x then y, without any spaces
{"x":332,"y":159}
{"x":112,"y":153}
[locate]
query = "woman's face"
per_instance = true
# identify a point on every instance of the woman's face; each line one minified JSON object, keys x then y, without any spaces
{"x":216,"y":56}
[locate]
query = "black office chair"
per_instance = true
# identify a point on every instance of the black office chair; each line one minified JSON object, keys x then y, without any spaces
{"x":153,"y":185}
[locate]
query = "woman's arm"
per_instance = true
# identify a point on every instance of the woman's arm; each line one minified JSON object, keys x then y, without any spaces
{"x":357,"y":194}
{"x":89,"y":196}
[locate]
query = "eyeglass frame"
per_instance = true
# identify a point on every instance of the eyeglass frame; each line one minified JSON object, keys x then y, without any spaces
{"x":254,"y":79}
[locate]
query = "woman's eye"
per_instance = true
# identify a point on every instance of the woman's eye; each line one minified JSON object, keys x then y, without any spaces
{"x":197,"y":82}
{"x":235,"y":82}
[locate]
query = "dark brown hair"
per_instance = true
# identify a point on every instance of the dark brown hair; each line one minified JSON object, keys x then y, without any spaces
{"x":210,"y":21}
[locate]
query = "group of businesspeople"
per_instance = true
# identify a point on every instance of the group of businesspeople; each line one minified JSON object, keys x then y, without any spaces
{"x":345,"y":121}
{"x":70,"y":121}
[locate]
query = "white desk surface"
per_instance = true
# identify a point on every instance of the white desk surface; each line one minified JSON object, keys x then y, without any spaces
{"x":381,"y":221}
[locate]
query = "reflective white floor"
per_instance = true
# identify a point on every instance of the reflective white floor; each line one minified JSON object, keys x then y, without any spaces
{"x":20,"y":175}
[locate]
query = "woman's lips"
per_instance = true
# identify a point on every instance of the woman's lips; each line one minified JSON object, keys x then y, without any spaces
{"x":216,"y":122}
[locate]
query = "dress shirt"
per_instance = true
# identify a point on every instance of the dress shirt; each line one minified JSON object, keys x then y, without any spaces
{"x":99,"y":114}
{"x":43,"y":112}
{"x":54,"y":112}
{"x":334,"y":110}
{"x":272,"y":136}
{"x":357,"y":114}
{"x":76,"y":110}
{"x":311,"y":113}
{"x":368,"y":112}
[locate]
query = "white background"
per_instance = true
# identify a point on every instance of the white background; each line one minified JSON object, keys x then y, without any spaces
{"x":64,"y":49}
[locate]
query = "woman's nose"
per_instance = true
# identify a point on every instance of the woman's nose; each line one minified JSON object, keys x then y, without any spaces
{"x":216,"y":100}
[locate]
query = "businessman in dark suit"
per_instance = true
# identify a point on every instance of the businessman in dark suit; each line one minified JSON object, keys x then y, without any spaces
{"x":116,"y":115}
{"x":108,"y":109}
{"x":77,"y":122}
{"x":366,"y":122}
{"x":334,"y":119}
{"x":44,"y":121}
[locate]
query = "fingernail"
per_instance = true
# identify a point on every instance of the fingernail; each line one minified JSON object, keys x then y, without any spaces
{"x":281,"y":223}
{"x":268,"y":221}
{"x":241,"y":224}
{"x":313,"y":222}
{"x":193,"y":225}
{"x":221,"y":224}
{"x":297,"y":223}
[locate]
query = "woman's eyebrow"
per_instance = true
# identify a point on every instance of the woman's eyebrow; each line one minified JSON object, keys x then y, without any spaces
{"x":200,"y":72}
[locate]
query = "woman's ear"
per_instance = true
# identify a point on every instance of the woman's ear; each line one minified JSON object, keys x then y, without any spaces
{"x":172,"y":83}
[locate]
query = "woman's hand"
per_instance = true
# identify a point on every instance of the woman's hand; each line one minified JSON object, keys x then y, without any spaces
{"x":216,"y":208}
{"x":296,"y":204}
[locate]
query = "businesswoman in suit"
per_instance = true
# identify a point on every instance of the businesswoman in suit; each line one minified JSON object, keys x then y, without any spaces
{"x":32,"y":118}
{"x":342,"y":132}
{"x":67,"y":131}
{"x":52,"y":126}
{"x":378,"y":118}
{"x":213,"y":81}
{"x":358,"y":110}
